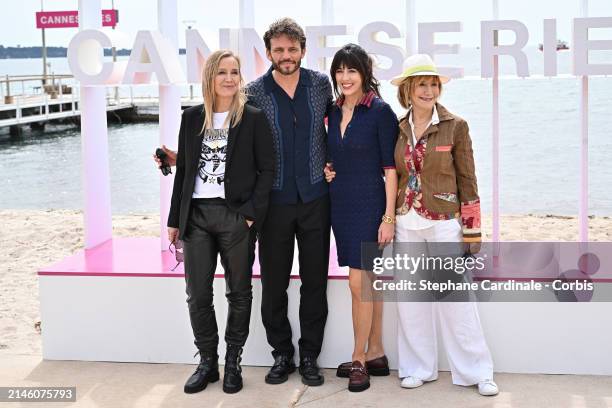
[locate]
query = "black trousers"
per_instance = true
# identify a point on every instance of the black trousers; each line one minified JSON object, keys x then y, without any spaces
{"x":214,"y":229}
{"x":310,"y":224}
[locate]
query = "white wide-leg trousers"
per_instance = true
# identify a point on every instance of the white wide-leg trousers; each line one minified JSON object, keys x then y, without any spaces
{"x":466,"y":348}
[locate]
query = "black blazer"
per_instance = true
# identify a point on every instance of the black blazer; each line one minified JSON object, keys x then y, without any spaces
{"x":249,"y":166}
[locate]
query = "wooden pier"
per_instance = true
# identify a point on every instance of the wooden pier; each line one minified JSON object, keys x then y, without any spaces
{"x":54,"y":100}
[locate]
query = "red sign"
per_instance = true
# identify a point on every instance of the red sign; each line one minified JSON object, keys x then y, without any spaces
{"x":63,"y":19}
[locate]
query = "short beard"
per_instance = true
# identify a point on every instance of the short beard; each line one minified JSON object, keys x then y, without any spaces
{"x":281,"y":71}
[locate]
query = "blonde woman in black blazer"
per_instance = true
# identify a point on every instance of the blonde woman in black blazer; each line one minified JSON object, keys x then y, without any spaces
{"x":224,"y":172}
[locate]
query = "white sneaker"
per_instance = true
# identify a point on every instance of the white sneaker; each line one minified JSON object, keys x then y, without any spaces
{"x":411,"y":382}
{"x":488,"y":388}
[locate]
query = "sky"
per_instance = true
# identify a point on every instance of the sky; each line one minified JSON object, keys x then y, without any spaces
{"x":207,"y":16}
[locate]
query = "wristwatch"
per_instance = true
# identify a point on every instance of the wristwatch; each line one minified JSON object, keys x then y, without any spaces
{"x":387,"y":219}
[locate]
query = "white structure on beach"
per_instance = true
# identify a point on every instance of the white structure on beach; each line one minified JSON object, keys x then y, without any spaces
{"x":118,"y":300}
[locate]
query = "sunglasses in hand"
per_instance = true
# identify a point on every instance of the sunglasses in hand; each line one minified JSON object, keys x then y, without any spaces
{"x":177,"y":251}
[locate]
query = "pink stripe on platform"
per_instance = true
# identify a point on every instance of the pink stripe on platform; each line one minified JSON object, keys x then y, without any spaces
{"x":115,"y":275}
{"x":159,"y":275}
{"x":142,"y":258}
{"x":535,"y":279}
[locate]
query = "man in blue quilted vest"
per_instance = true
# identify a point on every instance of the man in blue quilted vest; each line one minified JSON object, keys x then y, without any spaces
{"x":296,"y":101}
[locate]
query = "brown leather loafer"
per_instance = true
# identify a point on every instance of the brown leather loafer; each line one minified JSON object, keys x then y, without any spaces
{"x":344,"y":369}
{"x":359,"y":380}
{"x":378,"y":367}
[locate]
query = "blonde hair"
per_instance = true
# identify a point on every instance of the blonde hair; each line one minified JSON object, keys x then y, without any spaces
{"x":408,"y":85}
{"x":211,"y":69}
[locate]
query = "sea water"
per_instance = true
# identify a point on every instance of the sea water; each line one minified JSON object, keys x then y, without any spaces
{"x":539,"y":143}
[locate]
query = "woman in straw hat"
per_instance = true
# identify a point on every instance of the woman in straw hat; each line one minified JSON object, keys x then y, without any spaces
{"x":437,"y":201}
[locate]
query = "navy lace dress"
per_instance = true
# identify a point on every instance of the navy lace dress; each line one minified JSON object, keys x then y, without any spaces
{"x":359,"y":158}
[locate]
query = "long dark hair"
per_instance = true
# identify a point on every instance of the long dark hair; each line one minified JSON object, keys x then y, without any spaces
{"x":355,"y":57}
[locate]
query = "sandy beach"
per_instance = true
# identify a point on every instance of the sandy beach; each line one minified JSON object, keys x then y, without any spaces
{"x":32,"y":239}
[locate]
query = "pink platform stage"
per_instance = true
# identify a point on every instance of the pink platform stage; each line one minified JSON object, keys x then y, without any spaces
{"x":120,"y":301}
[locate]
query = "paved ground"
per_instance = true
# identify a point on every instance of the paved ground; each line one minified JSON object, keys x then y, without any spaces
{"x":116,"y":385}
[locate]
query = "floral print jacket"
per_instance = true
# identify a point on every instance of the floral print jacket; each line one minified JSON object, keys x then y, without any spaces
{"x":437,"y":176}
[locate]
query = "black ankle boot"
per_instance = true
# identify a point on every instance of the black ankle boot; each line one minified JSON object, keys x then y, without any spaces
{"x":207,"y":372}
{"x":232,"y":379}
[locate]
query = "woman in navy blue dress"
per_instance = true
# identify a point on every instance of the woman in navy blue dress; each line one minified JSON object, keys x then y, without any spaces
{"x":362,"y":133}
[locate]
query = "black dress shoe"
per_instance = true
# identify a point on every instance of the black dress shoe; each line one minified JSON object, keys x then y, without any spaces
{"x":207,"y":372}
{"x":309,"y":370}
{"x":279,"y":373}
{"x":232,"y":378}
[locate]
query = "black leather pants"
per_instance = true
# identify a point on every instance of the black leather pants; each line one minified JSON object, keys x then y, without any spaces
{"x":215,"y":229}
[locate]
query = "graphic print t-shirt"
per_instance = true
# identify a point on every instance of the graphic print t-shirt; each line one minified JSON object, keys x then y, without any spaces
{"x":211,"y":168}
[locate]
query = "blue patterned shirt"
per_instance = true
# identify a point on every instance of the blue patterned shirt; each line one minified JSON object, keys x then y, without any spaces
{"x":298,"y":128}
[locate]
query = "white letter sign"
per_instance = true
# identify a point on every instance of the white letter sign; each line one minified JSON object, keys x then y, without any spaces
{"x":582,"y":45}
{"x":152,"y":53}
{"x":427,"y":44}
{"x":488,"y":49}
{"x":317,"y":50}
{"x":367,"y":39}
{"x":197,"y":52}
{"x":85,"y":59}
